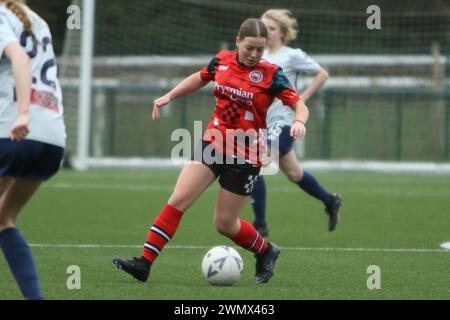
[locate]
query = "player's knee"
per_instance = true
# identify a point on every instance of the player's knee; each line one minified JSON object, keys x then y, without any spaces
{"x":294,"y":175}
{"x":224,"y":226}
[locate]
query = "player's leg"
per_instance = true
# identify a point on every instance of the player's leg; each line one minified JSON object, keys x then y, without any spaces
{"x":15,"y":248}
{"x":4,"y":182}
{"x":14,"y":198}
{"x":30,"y":163}
{"x":236,"y":185}
{"x":258,"y":196}
{"x":193,"y":180}
{"x":308,"y":183}
{"x":227,"y":211}
{"x":258,"y":200}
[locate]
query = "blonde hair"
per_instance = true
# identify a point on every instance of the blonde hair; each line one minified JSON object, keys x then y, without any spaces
{"x":286,"y":21}
{"x":16,"y":6}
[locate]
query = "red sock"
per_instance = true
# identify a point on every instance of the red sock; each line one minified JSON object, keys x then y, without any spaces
{"x":161,"y":232}
{"x":250,"y":239}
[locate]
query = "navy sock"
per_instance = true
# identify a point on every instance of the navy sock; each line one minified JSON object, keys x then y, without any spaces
{"x":18,"y":254}
{"x":258,"y":197}
{"x":310,"y":185}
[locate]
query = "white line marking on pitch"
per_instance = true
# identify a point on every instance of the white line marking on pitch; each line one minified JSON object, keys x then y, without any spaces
{"x":89,"y":246}
{"x":381,"y":191}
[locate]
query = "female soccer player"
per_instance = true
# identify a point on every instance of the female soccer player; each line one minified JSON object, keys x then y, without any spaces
{"x":32,"y":131}
{"x":282,"y":28}
{"x":244,"y":88}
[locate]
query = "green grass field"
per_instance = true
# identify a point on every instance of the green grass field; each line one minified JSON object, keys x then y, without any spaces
{"x":113,"y":209}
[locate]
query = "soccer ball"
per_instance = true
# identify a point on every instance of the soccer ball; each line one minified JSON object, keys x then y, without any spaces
{"x":222,"y":266}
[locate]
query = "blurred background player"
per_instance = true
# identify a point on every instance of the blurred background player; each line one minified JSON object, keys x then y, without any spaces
{"x":32,"y":130}
{"x":239,"y":105}
{"x":282,"y":28}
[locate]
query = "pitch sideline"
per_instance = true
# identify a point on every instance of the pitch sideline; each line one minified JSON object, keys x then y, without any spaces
{"x":95,"y":246}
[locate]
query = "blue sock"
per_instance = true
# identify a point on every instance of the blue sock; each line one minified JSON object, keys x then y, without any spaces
{"x":18,"y":254}
{"x":310,"y":185}
{"x":258,"y":197}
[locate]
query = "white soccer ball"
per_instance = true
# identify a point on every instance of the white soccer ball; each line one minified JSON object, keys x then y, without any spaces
{"x":222,"y":266}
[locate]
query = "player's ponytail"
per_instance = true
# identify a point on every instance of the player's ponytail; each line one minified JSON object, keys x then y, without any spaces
{"x":17,"y":8}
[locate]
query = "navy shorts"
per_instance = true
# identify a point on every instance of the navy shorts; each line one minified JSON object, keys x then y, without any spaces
{"x":282,"y":133}
{"x":28,"y":158}
{"x":238,"y":178}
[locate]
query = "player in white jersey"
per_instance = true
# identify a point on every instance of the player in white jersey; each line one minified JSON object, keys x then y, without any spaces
{"x":32,"y":131}
{"x":282,"y":28}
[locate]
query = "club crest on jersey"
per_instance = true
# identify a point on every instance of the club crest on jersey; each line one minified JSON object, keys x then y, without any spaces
{"x":255,"y":76}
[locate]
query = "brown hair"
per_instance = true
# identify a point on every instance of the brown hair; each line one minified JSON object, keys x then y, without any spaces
{"x":252,"y":28}
{"x":286,"y":21}
{"x":16,"y":6}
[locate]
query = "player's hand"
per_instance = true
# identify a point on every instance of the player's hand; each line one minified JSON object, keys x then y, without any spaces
{"x":298,"y":130}
{"x":157,"y":104}
{"x":19,"y":129}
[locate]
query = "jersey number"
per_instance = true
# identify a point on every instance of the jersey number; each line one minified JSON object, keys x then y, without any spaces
{"x":33,"y":52}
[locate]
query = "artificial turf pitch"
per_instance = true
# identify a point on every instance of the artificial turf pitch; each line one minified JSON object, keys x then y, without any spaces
{"x":393,"y":221}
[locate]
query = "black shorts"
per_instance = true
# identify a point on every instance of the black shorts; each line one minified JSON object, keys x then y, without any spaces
{"x":233,"y":175}
{"x":28,"y":158}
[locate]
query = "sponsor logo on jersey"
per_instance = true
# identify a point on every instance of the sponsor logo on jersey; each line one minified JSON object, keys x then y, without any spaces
{"x":223,"y":68}
{"x":237,"y":95}
{"x":255,"y":76}
{"x":45,"y":99}
{"x":237,"y":92}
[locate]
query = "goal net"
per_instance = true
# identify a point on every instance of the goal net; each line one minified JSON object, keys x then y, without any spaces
{"x":387,"y":101}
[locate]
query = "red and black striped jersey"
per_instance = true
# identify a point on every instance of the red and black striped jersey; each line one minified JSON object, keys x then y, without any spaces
{"x":243,"y":96}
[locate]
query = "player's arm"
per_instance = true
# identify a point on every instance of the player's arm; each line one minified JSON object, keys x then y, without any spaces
{"x":188,"y":85}
{"x":21,"y":69}
{"x":319,"y":79}
{"x":298,"y":128}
